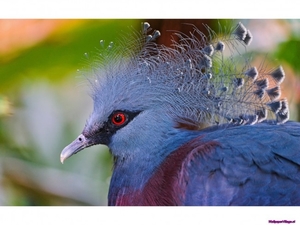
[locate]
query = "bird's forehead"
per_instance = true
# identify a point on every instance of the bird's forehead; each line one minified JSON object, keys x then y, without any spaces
{"x":122,"y":92}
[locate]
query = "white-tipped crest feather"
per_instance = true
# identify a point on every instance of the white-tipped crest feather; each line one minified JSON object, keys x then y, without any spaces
{"x":207,"y":80}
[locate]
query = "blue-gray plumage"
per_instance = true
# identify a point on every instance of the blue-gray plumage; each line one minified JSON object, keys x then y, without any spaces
{"x":190,"y":126}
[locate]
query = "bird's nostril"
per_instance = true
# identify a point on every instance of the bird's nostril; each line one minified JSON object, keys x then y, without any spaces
{"x":80,"y":139}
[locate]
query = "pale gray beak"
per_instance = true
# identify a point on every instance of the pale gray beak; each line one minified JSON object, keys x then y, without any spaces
{"x":77,"y":145}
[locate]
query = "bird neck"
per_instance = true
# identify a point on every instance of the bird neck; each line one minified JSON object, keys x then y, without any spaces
{"x":136,"y":183}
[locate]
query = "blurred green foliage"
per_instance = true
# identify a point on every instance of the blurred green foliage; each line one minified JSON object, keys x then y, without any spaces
{"x":289,"y":51}
{"x":44,"y":103}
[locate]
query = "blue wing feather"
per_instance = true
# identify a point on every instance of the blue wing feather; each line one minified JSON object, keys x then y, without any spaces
{"x":251,"y":165}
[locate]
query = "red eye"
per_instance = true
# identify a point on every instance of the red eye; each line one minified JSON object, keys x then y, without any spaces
{"x":118,"y":119}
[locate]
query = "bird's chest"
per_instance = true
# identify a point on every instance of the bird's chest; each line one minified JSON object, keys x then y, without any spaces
{"x":158,"y":191}
{"x":162,"y":183}
{"x":139,"y":187}
{"x":161,"y":186}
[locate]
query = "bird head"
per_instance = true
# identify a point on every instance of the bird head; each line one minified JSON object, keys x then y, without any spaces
{"x":129,"y":102}
{"x":144,"y":93}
